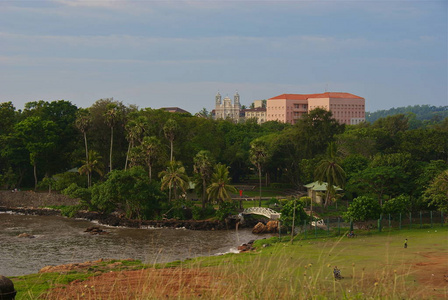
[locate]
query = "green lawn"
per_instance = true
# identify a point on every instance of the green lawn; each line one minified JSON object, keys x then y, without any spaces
{"x":374,"y":266}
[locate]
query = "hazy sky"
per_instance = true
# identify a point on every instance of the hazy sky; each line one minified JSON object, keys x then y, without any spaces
{"x":181,"y":53}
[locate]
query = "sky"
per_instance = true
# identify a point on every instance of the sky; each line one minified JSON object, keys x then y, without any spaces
{"x":181,"y":53}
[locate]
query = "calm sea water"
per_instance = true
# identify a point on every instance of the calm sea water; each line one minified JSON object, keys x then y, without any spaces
{"x":60,"y":240}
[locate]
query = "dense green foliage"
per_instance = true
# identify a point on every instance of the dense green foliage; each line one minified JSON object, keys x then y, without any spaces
{"x":363,"y":208}
{"x":289,"y":215}
{"x":420,"y":113}
{"x":396,"y":157}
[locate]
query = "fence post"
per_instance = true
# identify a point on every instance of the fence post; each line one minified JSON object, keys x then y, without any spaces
{"x":421,"y":222}
{"x":315,"y":229}
{"x":410,"y":220}
{"x":389,"y":221}
{"x":441,"y":218}
{"x":279,"y":230}
{"x":379,"y":222}
{"x":339,"y":227}
{"x":304,"y":224}
{"x":328,"y":226}
{"x":400,"y":222}
{"x":430,"y":214}
{"x":351,"y":224}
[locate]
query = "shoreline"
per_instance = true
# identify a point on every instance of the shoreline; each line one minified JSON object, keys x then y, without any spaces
{"x":118,"y":221}
{"x":34,"y":203}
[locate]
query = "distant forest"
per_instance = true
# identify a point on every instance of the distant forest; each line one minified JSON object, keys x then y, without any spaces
{"x":422,"y":113}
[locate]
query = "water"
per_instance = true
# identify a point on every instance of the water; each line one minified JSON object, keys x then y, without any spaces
{"x":61,"y":240}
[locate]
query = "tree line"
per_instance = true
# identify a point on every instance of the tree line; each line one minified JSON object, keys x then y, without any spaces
{"x":144,"y":160}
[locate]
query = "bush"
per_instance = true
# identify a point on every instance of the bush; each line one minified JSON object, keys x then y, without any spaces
{"x":225,"y":209}
{"x":397,"y":205}
{"x":61,"y":181}
{"x":70,"y":211}
{"x":200,"y":214}
{"x":362,"y":209}
{"x":306,"y":201}
{"x":77,"y":192}
{"x":288,"y":213}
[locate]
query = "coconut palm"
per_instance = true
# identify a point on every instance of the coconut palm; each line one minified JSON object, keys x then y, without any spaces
{"x":134,"y":131}
{"x":150,"y":148}
{"x":174,"y":178}
{"x":220,"y":188}
{"x":113,"y":114}
{"x":83,"y":122}
{"x":203,"y":165}
{"x":330,"y":171}
{"x":258,"y":154}
{"x":170,"y":130}
{"x":92,"y":164}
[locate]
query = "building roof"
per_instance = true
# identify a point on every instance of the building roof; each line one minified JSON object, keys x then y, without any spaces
{"x":320,"y":187}
{"x":174,"y":110}
{"x":323,"y":95}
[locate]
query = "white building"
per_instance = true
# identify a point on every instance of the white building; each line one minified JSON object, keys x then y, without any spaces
{"x":225,"y":109}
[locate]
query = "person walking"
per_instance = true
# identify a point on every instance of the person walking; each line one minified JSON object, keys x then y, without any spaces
{"x":405,"y":243}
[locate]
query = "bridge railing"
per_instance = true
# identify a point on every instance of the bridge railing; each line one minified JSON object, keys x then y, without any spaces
{"x":263,"y":211}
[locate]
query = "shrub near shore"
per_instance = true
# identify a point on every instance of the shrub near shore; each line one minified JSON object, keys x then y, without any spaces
{"x":374,"y":266}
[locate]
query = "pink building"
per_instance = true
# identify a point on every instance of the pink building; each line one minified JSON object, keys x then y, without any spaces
{"x":287,"y":108}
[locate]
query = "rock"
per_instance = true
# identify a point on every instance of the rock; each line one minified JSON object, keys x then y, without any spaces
{"x":25,"y":235}
{"x":7,"y":290}
{"x":95,"y":230}
{"x":246,"y":247}
{"x":259,"y":228}
{"x":272,"y":227}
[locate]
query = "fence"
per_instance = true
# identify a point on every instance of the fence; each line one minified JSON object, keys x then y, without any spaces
{"x":336,"y":226}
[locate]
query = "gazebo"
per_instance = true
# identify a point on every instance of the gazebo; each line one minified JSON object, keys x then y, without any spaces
{"x":315,"y":187}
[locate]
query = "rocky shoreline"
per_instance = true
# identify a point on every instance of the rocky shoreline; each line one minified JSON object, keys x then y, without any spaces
{"x":116,"y":220}
{"x":30,"y":203}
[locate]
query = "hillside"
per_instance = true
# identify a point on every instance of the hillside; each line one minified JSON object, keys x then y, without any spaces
{"x":422,"y":112}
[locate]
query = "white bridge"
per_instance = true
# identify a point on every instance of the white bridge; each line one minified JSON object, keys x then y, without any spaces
{"x":262,"y":211}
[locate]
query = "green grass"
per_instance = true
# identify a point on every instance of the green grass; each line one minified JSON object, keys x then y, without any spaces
{"x":35,"y":286}
{"x":374,"y":266}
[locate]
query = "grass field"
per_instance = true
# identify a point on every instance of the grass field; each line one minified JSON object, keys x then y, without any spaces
{"x":373,"y":266}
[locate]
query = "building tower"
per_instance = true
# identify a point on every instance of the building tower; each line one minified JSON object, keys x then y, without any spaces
{"x":236,"y":100}
{"x":218,"y":99}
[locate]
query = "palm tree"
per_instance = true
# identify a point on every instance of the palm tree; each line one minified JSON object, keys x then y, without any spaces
{"x":83,"y":122}
{"x":93,"y":164}
{"x":203,"y":165}
{"x":150,"y":147}
{"x":330,"y":171}
{"x":170,"y":129}
{"x":112,"y":116}
{"x":220,"y":187}
{"x":174,"y":178}
{"x":258,"y":154}
{"x":134,"y":130}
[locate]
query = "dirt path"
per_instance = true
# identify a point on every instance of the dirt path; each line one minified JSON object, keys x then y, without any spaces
{"x":140,"y":284}
{"x":432,"y":273}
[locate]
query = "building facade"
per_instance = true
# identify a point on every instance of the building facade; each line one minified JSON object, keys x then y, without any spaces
{"x":225,"y":109}
{"x":258,"y":113}
{"x":345,"y":107}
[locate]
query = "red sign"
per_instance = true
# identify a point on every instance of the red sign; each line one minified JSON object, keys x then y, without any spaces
{"x":241,"y":193}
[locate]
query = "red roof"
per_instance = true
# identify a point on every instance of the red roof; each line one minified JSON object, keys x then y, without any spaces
{"x":323,"y":95}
